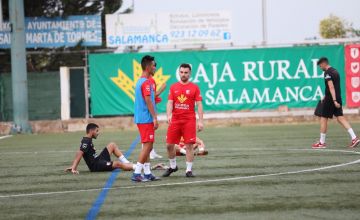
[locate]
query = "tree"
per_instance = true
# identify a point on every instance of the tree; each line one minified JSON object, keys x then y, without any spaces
{"x":333,"y":27}
{"x":51,"y":59}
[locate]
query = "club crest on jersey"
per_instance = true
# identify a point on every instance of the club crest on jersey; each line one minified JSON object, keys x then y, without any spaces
{"x":182,"y":98}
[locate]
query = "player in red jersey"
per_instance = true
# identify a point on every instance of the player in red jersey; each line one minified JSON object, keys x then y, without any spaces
{"x":199,"y":148}
{"x":181,"y":117}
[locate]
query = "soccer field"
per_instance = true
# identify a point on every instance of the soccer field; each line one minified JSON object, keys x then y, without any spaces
{"x":251,"y":172}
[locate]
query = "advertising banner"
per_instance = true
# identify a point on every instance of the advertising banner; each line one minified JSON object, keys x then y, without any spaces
{"x":352,"y":69}
{"x":168,"y":28}
{"x":229,"y":80}
{"x":57,"y":32}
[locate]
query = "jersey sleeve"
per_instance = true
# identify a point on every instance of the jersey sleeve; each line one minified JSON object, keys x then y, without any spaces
{"x":328,"y":76}
{"x":198,"y":96}
{"x":84,"y":146}
{"x":145,"y":88}
{"x":171,"y":95}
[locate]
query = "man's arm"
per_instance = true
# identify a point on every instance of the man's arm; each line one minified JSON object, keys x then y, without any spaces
{"x":169,"y":109}
{"x":201,"y":115}
{"x":162,"y":88}
{"x":333,"y":93}
{"x":75,"y":163}
{"x":151,"y":108}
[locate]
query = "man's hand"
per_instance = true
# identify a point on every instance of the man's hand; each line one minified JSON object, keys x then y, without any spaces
{"x":156,"y":123}
{"x":337,"y":105}
{"x":169,"y":119}
{"x":73,"y":171}
{"x":200,"y":125}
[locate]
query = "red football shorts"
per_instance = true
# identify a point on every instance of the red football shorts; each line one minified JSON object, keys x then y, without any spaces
{"x":181,"y":128}
{"x":147,"y":132}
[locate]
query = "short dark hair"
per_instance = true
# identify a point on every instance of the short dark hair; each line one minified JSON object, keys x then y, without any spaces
{"x":322,"y":60}
{"x":91,"y":126}
{"x":185,"y":65}
{"x":146,"y":60}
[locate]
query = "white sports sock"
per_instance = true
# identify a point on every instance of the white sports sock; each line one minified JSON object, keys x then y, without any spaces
{"x":352,"y":134}
{"x":322,"y":138}
{"x":147,"y":170}
{"x":189,"y":166}
{"x":123,"y":159}
{"x":182,"y":150}
{"x":172,"y":163}
{"x":138,"y":168}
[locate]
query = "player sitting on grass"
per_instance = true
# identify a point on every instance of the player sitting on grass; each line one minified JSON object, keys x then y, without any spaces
{"x":199,"y":148}
{"x":101,"y":162}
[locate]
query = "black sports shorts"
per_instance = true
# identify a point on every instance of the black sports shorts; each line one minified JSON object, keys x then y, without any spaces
{"x":327,"y":109}
{"x":103,"y":162}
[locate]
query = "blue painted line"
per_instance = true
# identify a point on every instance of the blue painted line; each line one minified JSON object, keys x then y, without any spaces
{"x":94,"y":210}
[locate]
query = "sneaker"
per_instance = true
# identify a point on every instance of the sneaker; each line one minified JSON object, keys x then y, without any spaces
{"x":151,"y":177}
{"x":355,"y":142}
{"x":319,"y":145}
{"x":155,"y":156}
{"x":189,"y":174}
{"x":138,"y":178}
{"x":169,"y":171}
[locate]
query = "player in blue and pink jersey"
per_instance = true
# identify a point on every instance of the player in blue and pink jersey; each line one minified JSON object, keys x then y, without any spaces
{"x":145,"y":118}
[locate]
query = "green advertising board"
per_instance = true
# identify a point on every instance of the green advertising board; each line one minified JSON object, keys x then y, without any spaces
{"x":229,"y":80}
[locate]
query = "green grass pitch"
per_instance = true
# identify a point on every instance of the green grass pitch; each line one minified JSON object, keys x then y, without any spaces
{"x":33,"y":164}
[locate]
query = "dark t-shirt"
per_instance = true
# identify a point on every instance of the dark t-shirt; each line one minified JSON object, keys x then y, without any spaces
{"x":89,"y":155}
{"x":332,"y":74}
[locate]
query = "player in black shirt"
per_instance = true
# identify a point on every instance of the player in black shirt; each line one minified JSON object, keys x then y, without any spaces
{"x":331,"y":105}
{"x":101,"y":162}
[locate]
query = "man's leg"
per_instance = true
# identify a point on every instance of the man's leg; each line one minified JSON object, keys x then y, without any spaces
{"x":154,"y":155}
{"x":123,"y":166}
{"x":171,"y":154}
{"x":189,"y":159}
{"x":113,"y":149}
{"x":143,"y":156}
{"x":342,"y":120}
{"x":172,"y":160}
{"x":144,"y":161}
{"x":354,"y":140}
{"x":323,"y":129}
{"x":189,"y":140}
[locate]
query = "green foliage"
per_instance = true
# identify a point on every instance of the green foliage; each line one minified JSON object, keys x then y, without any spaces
{"x":51,"y":59}
{"x":332,"y":27}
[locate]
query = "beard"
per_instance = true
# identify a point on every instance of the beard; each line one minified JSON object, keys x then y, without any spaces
{"x":184,"y":79}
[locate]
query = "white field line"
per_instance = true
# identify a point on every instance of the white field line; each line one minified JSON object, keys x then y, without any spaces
{"x":6,"y":136}
{"x":200,"y":181}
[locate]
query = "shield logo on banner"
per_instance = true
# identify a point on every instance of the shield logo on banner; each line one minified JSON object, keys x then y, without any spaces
{"x":355,"y":96}
{"x":355,"y":82}
{"x":354,"y":52}
{"x":355,"y":67}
